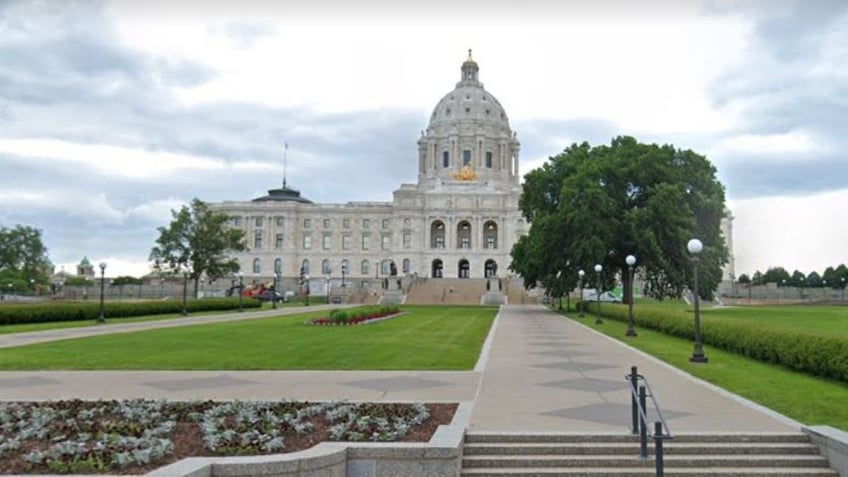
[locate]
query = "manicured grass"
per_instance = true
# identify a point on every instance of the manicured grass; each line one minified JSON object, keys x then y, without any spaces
{"x":817,"y":320}
{"x":808,"y":399}
{"x":437,"y":338}
{"x":53,"y":325}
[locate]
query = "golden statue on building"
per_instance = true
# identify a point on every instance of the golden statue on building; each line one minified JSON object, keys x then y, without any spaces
{"x":465,"y":174}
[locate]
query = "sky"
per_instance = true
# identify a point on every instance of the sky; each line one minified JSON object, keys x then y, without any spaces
{"x":113,"y":113}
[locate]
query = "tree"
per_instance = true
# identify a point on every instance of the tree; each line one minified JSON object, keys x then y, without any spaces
{"x":744,"y":279}
{"x":797,"y":279}
{"x":599,"y":204}
{"x":776,"y":275}
{"x":23,"y":257}
{"x":197,"y":242}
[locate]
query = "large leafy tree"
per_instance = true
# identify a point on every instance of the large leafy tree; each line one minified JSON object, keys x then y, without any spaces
{"x":596,"y":205}
{"x":197,"y":241}
{"x":23,"y":256}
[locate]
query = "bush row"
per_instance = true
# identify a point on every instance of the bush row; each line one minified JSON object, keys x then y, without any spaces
{"x":812,"y":354}
{"x":357,"y":315}
{"x":76,"y":311}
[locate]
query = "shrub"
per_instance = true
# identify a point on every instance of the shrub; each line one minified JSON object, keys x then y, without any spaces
{"x":812,"y":354}
{"x":356,"y":315}
{"x":73,"y":311}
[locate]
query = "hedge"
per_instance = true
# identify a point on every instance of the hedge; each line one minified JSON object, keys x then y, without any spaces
{"x":76,"y":311}
{"x":813,"y":354}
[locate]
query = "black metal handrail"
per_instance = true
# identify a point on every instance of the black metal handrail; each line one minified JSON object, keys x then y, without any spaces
{"x":639,"y":415}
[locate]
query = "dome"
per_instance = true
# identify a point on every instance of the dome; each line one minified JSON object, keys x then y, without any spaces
{"x":469,"y":103}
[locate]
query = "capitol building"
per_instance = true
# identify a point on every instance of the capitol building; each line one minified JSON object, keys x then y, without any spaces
{"x":459,"y":220}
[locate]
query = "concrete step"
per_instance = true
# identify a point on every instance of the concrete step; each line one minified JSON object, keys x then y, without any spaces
{"x":552,"y":437}
{"x":632,"y":448}
{"x":649,"y":472}
{"x":679,"y":461}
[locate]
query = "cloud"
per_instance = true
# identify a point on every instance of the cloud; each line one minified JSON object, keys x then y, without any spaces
{"x":244,"y":34}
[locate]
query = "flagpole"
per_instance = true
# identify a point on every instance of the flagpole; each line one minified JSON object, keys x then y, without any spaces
{"x":285,"y":151}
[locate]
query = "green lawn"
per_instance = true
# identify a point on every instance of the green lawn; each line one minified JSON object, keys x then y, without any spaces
{"x":823,"y":320}
{"x":438,"y":338}
{"x":23,"y":328}
{"x":802,"y":397}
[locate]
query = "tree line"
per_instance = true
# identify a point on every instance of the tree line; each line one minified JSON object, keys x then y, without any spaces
{"x":833,"y":277}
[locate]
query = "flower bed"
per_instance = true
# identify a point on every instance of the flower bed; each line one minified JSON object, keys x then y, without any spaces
{"x":356,"y":316}
{"x":136,"y":436}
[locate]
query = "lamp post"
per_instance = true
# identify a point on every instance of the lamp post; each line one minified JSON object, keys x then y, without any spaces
{"x":344,"y":272}
{"x":185,"y":292}
{"x":630,"y":260}
{"x":695,"y":246}
{"x":241,"y":285}
{"x":102,"y":318}
{"x":824,"y":289}
{"x":598,"y":270}
{"x":580,"y":275}
{"x":32,"y":285}
{"x":329,"y":271}
{"x":306,"y":281}
{"x":784,"y":288}
{"x":276,"y":288}
{"x":843,"y":289}
{"x":559,"y":274}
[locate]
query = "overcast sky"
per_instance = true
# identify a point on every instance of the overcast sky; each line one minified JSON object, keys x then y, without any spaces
{"x":114,"y":113}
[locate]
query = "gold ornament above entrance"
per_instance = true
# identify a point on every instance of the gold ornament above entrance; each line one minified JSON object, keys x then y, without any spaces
{"x":465,"y":174}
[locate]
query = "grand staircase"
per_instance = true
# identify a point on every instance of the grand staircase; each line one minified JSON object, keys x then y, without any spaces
{"x":726,"y":455}
{"x":447,"y":291}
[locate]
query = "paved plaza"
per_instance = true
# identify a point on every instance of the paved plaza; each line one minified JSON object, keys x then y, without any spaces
{"x":538,"y":372}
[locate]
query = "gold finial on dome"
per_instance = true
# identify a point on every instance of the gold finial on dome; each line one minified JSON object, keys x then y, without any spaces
{"x":469,"y":55}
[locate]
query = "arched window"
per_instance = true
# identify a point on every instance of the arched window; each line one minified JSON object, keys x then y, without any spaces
{"x":304,"y":267}
{"x":386,"y":267}
{"x":490,"y":235}
{"x":257,"y":268}
{"x":365,"y":269}
{"x":325,"y":267}
{"x":278,"y":266}
{"x":437,"y":234}
{"x":463,"y":235}
{"x":405,"y":265}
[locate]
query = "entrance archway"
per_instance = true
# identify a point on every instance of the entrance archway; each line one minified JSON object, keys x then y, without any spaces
{"x":438,"y":269}
{"x":464,"y":269}
{"x":490,"y":269}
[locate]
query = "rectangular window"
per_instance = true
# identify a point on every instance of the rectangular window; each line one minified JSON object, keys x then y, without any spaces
{"x":407,"y":240}
{"x":489,"y":160}
{"x":491,"y":242}
{"x":466,"y":157}
{"x":346,"y":223}
{"x":278,"y":241}
{"x":307,"y":242}
{"x":366,"y":223}
{"x":325,"y":241}
{"x":307,"y":223}
{"x":237,"y":221}
{"x":258,"y":221}
{"x":465,"y":243}
{"x":440,"y":242}
{"x":345,"y":242}
{"x":446,"y":159}
{"x":326,"y":223}
{"x":385,"y":242}
{"x":366,"y":242}
{"x":280,"y":221}
{"x":386,"y":223}
{"x":257,"y":241}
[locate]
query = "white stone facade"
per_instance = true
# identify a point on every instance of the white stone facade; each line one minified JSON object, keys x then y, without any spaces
{"x":460,"y":220}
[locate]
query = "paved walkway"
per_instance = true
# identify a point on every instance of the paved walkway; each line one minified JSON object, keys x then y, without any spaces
{"x":541,"y":372}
